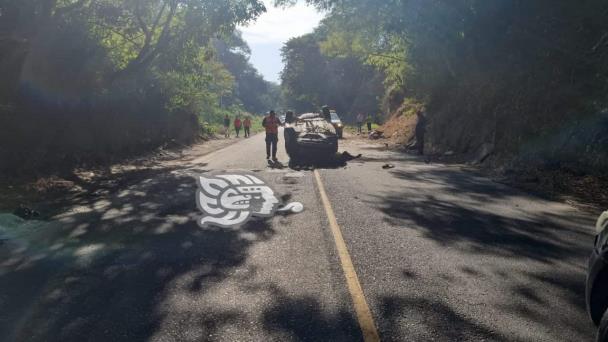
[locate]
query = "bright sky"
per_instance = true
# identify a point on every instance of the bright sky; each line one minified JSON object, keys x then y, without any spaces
{"x":275,"y":27}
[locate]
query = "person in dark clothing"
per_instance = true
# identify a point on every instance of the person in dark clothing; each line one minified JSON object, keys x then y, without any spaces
{"x":226,"y":126}
{"x":370,"y":121}
{"x":326,"y":113}
{"x":271,"y":123}
{"x":360,"y":119}
{"x":289,"y":117}
{"x":420,"y":131}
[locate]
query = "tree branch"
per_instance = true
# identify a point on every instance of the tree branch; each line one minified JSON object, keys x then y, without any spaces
{"x":69,"y":8}
{"x":158,"y":16}
{"x":140,"y":21}
{"x":388,"y":57}
{"x":148,"y":53}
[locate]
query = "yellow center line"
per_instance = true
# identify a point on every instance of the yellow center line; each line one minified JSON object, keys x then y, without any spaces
{"x":364,"y":314}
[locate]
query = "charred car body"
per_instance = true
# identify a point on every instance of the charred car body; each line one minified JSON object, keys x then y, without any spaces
{"x":310,"y":136}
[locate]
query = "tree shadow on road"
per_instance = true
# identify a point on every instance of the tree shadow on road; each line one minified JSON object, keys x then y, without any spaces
{"x":297,"y":317}
{"x":429,"y":320}
{"x":530,"y":258}
{"x":113,"y":262}
{"x":482,"y":232}
{"x":456,"y":180}
{"x":531,"y":300}
{"x":302,"y":318}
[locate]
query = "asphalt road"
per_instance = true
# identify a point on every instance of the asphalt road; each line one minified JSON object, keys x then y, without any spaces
{"x":440,"y":253}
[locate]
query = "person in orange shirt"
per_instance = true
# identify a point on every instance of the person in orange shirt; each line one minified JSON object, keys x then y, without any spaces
{"x":247,"y":126}
{"x":237,"y":125}
{"x":271,"y":123}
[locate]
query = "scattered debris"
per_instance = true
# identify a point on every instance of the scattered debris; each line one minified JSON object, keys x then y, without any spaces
{"x":294,"y":207}
{"x":337,"y":160}
{"x":375,"y":135}
{"x":345,"y":156}
{"x":26,"y":213}
{"x":485,"y":150}
{"x":388,"y":166}
{"x":275,"y":164}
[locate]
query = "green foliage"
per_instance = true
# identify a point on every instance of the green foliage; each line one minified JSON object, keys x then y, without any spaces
{"x":312,"y":78}
{"x":387,"y":52}
{"x":107,"y":77}
{"x":256,"y":123}
{"x":250,"y":89}
{"x":511,"y":74}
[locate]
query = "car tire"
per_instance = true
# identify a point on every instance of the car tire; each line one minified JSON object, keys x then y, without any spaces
{"x":602,"y":332}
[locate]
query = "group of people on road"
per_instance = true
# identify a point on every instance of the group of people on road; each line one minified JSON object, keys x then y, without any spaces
{"x":271,"y":125}
{"x":238,"y":125}
{"x":369,"y":120}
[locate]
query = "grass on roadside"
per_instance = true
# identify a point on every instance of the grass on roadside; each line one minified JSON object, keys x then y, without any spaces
{"x":353,"y":128}
{"x":214,"y":128}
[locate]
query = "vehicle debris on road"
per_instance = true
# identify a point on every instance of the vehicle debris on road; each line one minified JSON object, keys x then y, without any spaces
{"x":26,"y":213}
{"x":345,"y":156}
{"x":310,"y":136}
{"x":375,"y":135}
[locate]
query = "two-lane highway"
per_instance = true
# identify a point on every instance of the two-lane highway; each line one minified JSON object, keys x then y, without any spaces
{"x":420,"y":252}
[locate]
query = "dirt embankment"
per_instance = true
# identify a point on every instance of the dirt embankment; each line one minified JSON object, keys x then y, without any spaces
{"x":399,"y":128}
{"x":548,"y":175}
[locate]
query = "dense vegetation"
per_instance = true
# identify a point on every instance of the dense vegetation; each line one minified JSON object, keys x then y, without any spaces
{"x":89,"y":80}
{"x":525,"y":79}
{"x":251,"y":91}
{"x":312,"y":79}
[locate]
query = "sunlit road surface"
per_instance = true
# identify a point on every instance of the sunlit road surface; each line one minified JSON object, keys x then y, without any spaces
{"x":439,"y":254}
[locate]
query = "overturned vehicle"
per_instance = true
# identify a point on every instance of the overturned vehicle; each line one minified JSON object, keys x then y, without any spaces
{"x":310,"y":136}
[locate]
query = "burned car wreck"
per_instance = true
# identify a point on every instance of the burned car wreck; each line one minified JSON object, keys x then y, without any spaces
{"x":310,"y":136}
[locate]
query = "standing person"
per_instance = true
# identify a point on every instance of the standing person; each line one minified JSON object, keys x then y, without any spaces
{"x":271,"y":123}
{"x":420,"y":131}
{"x":237,"y":125}
{"x":289,"y":117}
{"x":326,"y":113}
{"x":226,"y":126}
{"x":370,"y":120}
{"x":360,"y":119}
{"x":247,"y":126}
